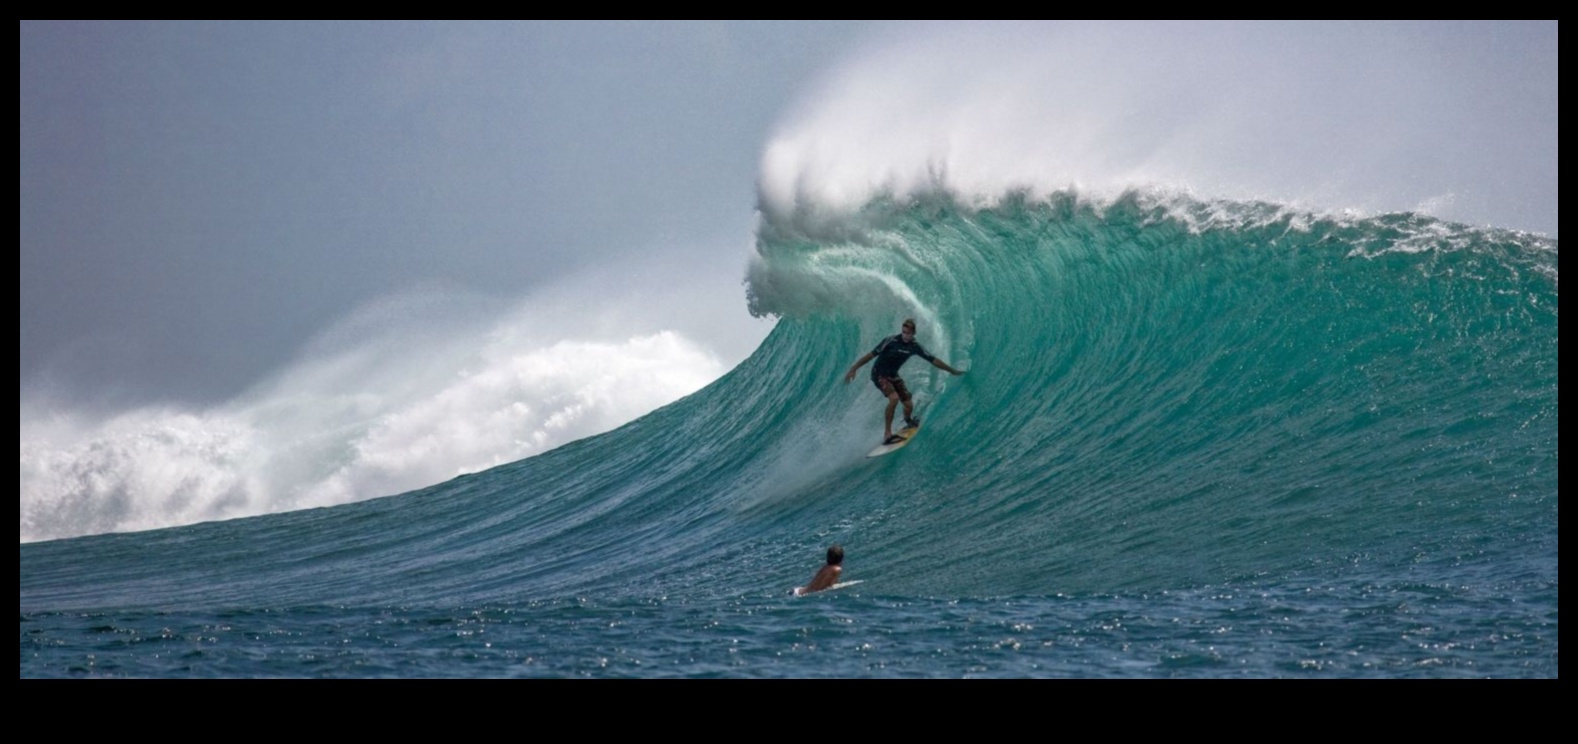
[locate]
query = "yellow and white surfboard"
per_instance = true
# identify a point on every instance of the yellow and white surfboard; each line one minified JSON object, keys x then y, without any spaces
{"x":906,"y":434}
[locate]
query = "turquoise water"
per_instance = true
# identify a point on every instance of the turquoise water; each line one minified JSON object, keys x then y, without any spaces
{"x":1194,"y":439}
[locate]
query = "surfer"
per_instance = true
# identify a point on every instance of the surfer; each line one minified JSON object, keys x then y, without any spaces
{"x":827,"y":575}
{"x":891,"y":353}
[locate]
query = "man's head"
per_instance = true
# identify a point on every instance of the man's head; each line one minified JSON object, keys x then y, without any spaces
{"x":908,"y":329}
{"x":835,"y":555}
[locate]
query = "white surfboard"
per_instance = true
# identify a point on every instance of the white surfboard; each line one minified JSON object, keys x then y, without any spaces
{"x":798,"y":591}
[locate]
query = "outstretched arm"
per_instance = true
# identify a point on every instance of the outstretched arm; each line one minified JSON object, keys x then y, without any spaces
{"x":861,"y":362}
{"x":942,"y":365}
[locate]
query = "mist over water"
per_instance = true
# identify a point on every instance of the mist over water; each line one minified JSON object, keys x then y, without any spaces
{"x":1439,"y":119}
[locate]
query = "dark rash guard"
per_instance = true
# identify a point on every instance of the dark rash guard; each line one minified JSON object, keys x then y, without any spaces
{"x":892,"y":352}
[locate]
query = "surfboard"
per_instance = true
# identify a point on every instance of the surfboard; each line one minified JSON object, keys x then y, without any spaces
{"x":840,"y":585}
{"x":907,"y":433}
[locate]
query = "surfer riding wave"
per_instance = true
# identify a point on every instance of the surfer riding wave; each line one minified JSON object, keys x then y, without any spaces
{"x":891,"y":353}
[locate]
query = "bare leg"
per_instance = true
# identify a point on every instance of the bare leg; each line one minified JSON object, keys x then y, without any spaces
{"x":909,"y":410}
{"x":887,"y":420}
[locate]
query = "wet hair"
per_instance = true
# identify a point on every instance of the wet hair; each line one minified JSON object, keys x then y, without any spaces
{"x":835,"y":555}
{"x":908,"y":323}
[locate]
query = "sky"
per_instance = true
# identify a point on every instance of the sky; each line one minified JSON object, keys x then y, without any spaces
{"x":199,"y":199}
{"x":274,"y":265}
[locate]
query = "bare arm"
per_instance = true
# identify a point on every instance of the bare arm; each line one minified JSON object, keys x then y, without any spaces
{"x":861,"y":362}
{"x":942,"y":365}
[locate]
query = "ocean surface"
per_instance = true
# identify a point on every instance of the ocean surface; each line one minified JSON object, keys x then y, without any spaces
{"x":1195,"y":439}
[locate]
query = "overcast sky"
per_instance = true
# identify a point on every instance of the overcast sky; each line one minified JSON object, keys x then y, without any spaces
{"x":199,"y":199}
{"x":274,"y":265}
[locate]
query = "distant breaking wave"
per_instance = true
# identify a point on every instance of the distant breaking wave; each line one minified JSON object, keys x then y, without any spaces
{"x":376,"y":416}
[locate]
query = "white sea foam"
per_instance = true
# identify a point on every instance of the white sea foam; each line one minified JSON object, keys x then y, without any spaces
{"x":380,"y":406}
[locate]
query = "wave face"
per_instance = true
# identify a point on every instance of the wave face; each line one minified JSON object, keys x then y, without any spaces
{"x":1167,"y":396}
{"x":1163,"y":394}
